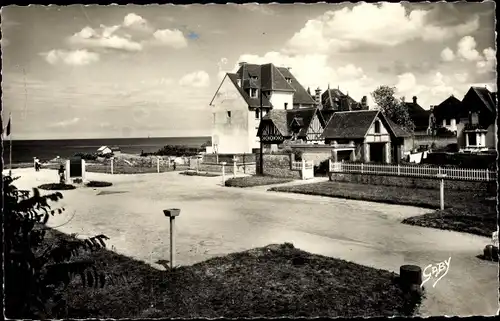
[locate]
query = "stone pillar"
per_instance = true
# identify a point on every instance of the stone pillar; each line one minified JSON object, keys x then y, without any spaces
{"x":334,"y":155}
{"x":466,"y":139}
{"x":387,"y":153}
{"x":352,"y":158}
{"x":366,"y":152}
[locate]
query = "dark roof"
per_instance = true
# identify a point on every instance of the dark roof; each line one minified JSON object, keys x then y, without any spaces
{"x":327,"y":115}
{"x":355,"y":125}
{"x":252,"y":102}
{"x":486,"y":97}
{"x":272,"y":78}
{"x":285,"y":120}
{"x":451,"y":107}
{"x":332,"y":99}
{"x":418,"y":115}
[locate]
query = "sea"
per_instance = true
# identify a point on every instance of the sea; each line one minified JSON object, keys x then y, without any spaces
{"x":45,"y":150}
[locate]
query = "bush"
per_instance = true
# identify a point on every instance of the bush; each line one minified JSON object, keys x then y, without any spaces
{"x":56,"y":187}
{"x":175,"y":150}
{"x":98,"y":184}
{"x":87,"y":156}
{"x":37,"y":273}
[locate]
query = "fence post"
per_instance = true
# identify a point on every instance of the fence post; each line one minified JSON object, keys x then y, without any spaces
{"x":83,"y":170}
{"x":157,"y":164}
{"x":439,"y":170}
{"x":399,"y":170}
{"x":361,"y":168}
{"x":487,"y":175}
{"x":441,"y":194}
{"x":223,"y":173}
{"x":329,"y":164}
{"x":112,"y":161}
{"x":234,"y":167}
{"x":171,"y":214}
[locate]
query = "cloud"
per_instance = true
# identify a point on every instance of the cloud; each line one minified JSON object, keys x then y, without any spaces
{"x":259,"y":8}
{"x":134,"y":20}
{"x":195,"y":79}
{"x":447,"y":55}
{"x":172,"y":38}
{"x":104,"y":38}
{"x":467,"y":49}
{"x":389,"y":25}
{"x":74,"y":58}
{"x":487,"y":63}
{"x":66,"y":123}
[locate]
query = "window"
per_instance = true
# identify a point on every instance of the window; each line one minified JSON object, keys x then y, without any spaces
{"x":472,"y":139}
{"x":257,"y":114}
{"x":448,"y":122}
{"x":253,"y":93}
{"x":286,"y":106}
{"x":377,"y":127}
{"x":254,"y":77}
{"x":288,"y":80}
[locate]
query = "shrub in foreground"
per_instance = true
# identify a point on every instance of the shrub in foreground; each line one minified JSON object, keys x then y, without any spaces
{"x":256,"y":180}
{"x":98,"y":184}
{"x":56,"y":187}
{"x":36,"y":273}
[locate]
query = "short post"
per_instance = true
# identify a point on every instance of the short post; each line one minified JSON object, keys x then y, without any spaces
{"x":34,"y":162}
{"x":487,"y":175}
{"x":234,"y":166}
{"x":361,"y":168}
{"x":197,"y":165}
{"x":157,"y":164}
{"x":171,"y":214}
{"x":112,"y":161}
{"x":399,"y":170}
{"x":84,"y":174}
{"x":441,"y":190}
{"x":410,"y":277}
{"x":67,"y":170}
{"x":329,"y":164}
{"x":223,"y":173}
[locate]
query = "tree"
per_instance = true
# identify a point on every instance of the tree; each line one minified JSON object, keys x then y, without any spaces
{"x":36,"y":271}
{"x":394,"y":108}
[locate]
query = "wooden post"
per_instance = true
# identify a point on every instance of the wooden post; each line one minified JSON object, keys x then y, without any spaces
{"x":234,"y":167}
{"x":171,"y":214}
{"x":112,"y":161}
{"x":441,"y":194}
{"x":261,"y":159}
{"x":197,"y":165}
{"x":67,"y":170}
{"x":361,"y":168}
{"x":329,"y":164}
{"x":83,"y":170}
{"x":158,"y":164}
{"x":487,"y":175}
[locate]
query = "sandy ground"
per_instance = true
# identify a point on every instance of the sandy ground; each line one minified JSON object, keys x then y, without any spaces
{"x":216,"y":220}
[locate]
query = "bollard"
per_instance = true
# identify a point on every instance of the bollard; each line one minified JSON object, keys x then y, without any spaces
{"x":223,"y":173}
{"x":441,"y":189}
{"x":157,"y":164}
{"x":112,"y":161}
{"x":171,"y":214}
{"x":410,"y":278}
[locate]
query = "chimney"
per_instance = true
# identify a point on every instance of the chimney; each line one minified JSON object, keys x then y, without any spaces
{"x":364,"y":104}
{"x":242,"y":63}
{"x":414,"y":99}
{"x":318,"y":97}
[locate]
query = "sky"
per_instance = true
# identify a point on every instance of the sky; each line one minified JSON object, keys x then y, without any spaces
{"x":132,"y":71}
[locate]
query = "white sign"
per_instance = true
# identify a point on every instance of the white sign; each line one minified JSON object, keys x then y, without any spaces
{"x":494,"y":239}
{"x":435,"y":271}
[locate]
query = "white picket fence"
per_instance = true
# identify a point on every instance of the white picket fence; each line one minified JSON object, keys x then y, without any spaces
{"x":415,"y":171}
{"x":297,"y":166}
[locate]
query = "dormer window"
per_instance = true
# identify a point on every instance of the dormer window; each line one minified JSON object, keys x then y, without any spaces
{"x":253,"y":93}
{"x":254,"y":78}
{"x":288,"y":80}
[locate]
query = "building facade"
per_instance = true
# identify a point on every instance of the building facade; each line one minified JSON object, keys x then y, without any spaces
{"x":244,"y":97}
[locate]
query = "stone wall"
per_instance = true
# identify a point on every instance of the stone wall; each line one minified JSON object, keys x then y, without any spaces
{"x":277,"y":165}
{"x":412,"y":182}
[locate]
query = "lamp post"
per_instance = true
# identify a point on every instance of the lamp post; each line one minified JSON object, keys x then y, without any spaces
{"x":171,"y":213}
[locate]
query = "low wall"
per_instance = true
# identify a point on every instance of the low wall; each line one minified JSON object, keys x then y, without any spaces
{"x":412,"y":182}
{"x":228,"y":158}
{"x":277,"y":165}
{"x":315,"y":153}
{"x":248,"y":168}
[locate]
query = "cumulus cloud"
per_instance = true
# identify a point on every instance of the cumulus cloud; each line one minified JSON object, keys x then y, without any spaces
{"x":347,"y":28}
{"x":197,"y":79}
{"x":103,"y":38}
{"x":75,"y":57}
{"x":487,"y":63}
{"x":172,"y":38}
{"x":133,"y":20}
{"x":467,"y":49}
{"x":447,"y":54}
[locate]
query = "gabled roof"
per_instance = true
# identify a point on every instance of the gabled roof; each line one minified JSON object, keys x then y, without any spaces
{"x":252,"y":102}
{"x":331,"y":99}
{"x":418,"y":115}
{"x":486,"y":97}
{"x":270,"y":77}
{"x":286,"y":120}
{"x":450,"y":108}
{"x":355,"y":125}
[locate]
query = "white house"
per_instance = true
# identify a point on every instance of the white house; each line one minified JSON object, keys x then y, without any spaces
{"x":243,"y":97}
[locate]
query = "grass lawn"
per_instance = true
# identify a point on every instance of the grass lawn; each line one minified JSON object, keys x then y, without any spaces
{"x":273,"y":281}
{"x":465,"y":211}
{"x":256,"y":180}
{"x":204,"y":174}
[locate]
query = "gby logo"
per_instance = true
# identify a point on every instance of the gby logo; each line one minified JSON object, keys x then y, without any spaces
{"x":438,"y":271}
